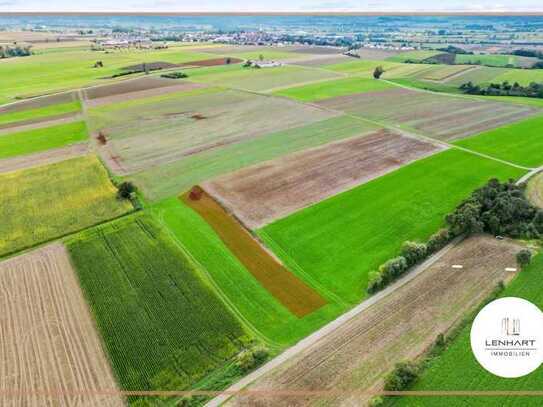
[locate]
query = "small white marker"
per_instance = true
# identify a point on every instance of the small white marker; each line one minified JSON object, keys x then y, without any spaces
{"x":457,"y":266}
{"x":510,"y":269}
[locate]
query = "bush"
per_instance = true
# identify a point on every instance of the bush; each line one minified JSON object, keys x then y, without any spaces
{"x":378,"y":72}
{"x":438,"y":240}
{"x":376,"y":401}
{"x":174,"y":75}
{"x":251,"y":358}
{"x":125,"y":190}
{"x":403,"y":376}
{"x":524,"y":257}
{"x":413,"y":252}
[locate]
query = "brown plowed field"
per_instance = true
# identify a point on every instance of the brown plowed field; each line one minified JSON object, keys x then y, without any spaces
{"x":401,"y":326}
{"x":287,"y":288}
{"x":273,"y":189}
{"x":44,"y":158}
{"x":439,"y":116}
{"x":212,"y":62}
{"x":49,"y":343}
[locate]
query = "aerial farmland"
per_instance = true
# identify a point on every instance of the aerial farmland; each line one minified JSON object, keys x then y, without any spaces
{"x":186,"y":217}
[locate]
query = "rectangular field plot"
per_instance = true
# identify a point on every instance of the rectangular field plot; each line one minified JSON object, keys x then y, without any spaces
{"x":289,"y":290}
{"x":458,"y":370}
{"x":259,"y":194}
{"x":333,"y":88}
{"x":444,"y":72}
{"x":439,"y":116}
{"x":478,"y":75}
{"x":134,"y":89}
{"x":46,"y":138}
{"x":155,"y":131}
{"x":402,"y":325}
{"x":520,"y":143}
{"x":265,"y":79}
{"x":172,"y":178}
{"x":24,"y":116}
{"x":163,"y":326}
{"x":49,"y":341}
{"x":45,"y":202}
{"x":340,"y":240}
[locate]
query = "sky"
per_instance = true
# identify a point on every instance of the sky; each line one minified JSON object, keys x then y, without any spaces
{"x":270,"y":5}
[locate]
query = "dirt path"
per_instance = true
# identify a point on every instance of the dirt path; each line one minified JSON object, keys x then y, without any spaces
{"x":49,"y":344}
{"x":357,"y":350}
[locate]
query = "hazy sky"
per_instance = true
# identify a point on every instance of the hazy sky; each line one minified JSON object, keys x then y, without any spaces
{"x":271,"y":5}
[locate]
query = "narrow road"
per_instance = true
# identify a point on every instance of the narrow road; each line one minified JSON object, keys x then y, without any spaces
{"x":330,"y":327}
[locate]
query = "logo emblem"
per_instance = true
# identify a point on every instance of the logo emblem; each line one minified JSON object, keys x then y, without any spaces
{"x":507,"y":337}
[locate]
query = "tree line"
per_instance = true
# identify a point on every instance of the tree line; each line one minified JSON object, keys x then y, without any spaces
{"x":533,"y":90}
{"x":7,"y":51}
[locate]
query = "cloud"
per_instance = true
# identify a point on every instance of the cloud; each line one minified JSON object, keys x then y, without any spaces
{"x":7,"y":3}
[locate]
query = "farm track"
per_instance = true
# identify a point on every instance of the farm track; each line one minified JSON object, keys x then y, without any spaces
{"x":401,"y":325}
{"x":49,"y":339}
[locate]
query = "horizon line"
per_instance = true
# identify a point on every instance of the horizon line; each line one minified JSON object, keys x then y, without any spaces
{"x":398,"y":13}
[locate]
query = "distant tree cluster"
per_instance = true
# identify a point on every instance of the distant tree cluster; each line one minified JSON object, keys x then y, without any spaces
{"x":174,"y":75}
{"x":451,"y":49}
{"x":528,"y":53}
{"x":533,"y":90}
{"x":7,"y":51}
{"x":378,"y":71}
{"x":500,"y":209}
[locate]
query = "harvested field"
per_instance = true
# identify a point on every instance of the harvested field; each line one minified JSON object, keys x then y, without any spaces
{"x":172,"y":178}
{"x":444,"y":72}
{"x":189,"y":123}
{"x":44,"y":158}
{"x":293,"y":293}
{"x":49,"y":341}
{"x":259,"y":194}
{"x":399,"y":327}
{"x":135,"y":89}
{"x":535,"y":190}
{"x":439,"y":116}
{"x":443,"y":372}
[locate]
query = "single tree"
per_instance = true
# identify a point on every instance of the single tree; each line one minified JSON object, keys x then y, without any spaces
{"x":378,"y":72}
{"x":125,"y":190}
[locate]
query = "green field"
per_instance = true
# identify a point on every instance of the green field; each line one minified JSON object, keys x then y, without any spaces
{"x":42,"y":203}
{"x":457,"y":368}
{"x":486,"y":59}
{"x":33,"y":141}
{"x":263,"y":79}
{"x":520,"y":143}
{"x":38,"y":74}
{"x":427,"y":85}
{"x":39,"y":113}
{"x":171,"y":179}
{"x":163,"y":327}
{"x":361,"y":66}
{"x":329,"y":89}
{"x":266,"y":317}
{"x":337,"y":242}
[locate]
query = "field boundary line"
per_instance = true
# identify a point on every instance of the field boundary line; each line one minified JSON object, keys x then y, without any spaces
{"x":330,"y":327}
{"x":275,"y":247}
{"x":220,"y":293}
{"x":529,"y":175}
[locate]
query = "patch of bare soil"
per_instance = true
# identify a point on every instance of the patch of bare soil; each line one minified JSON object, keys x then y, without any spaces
{"x":43,"y":158}
{"x":273,"y":189}
{"x":212,"y":62}
{"x":401,"y":326}
{"x":135,"y":89}
{"x":287,"y":288}
{"x":50,"y":346}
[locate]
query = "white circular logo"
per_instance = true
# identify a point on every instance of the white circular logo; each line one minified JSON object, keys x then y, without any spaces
{"x":507,"y":337}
